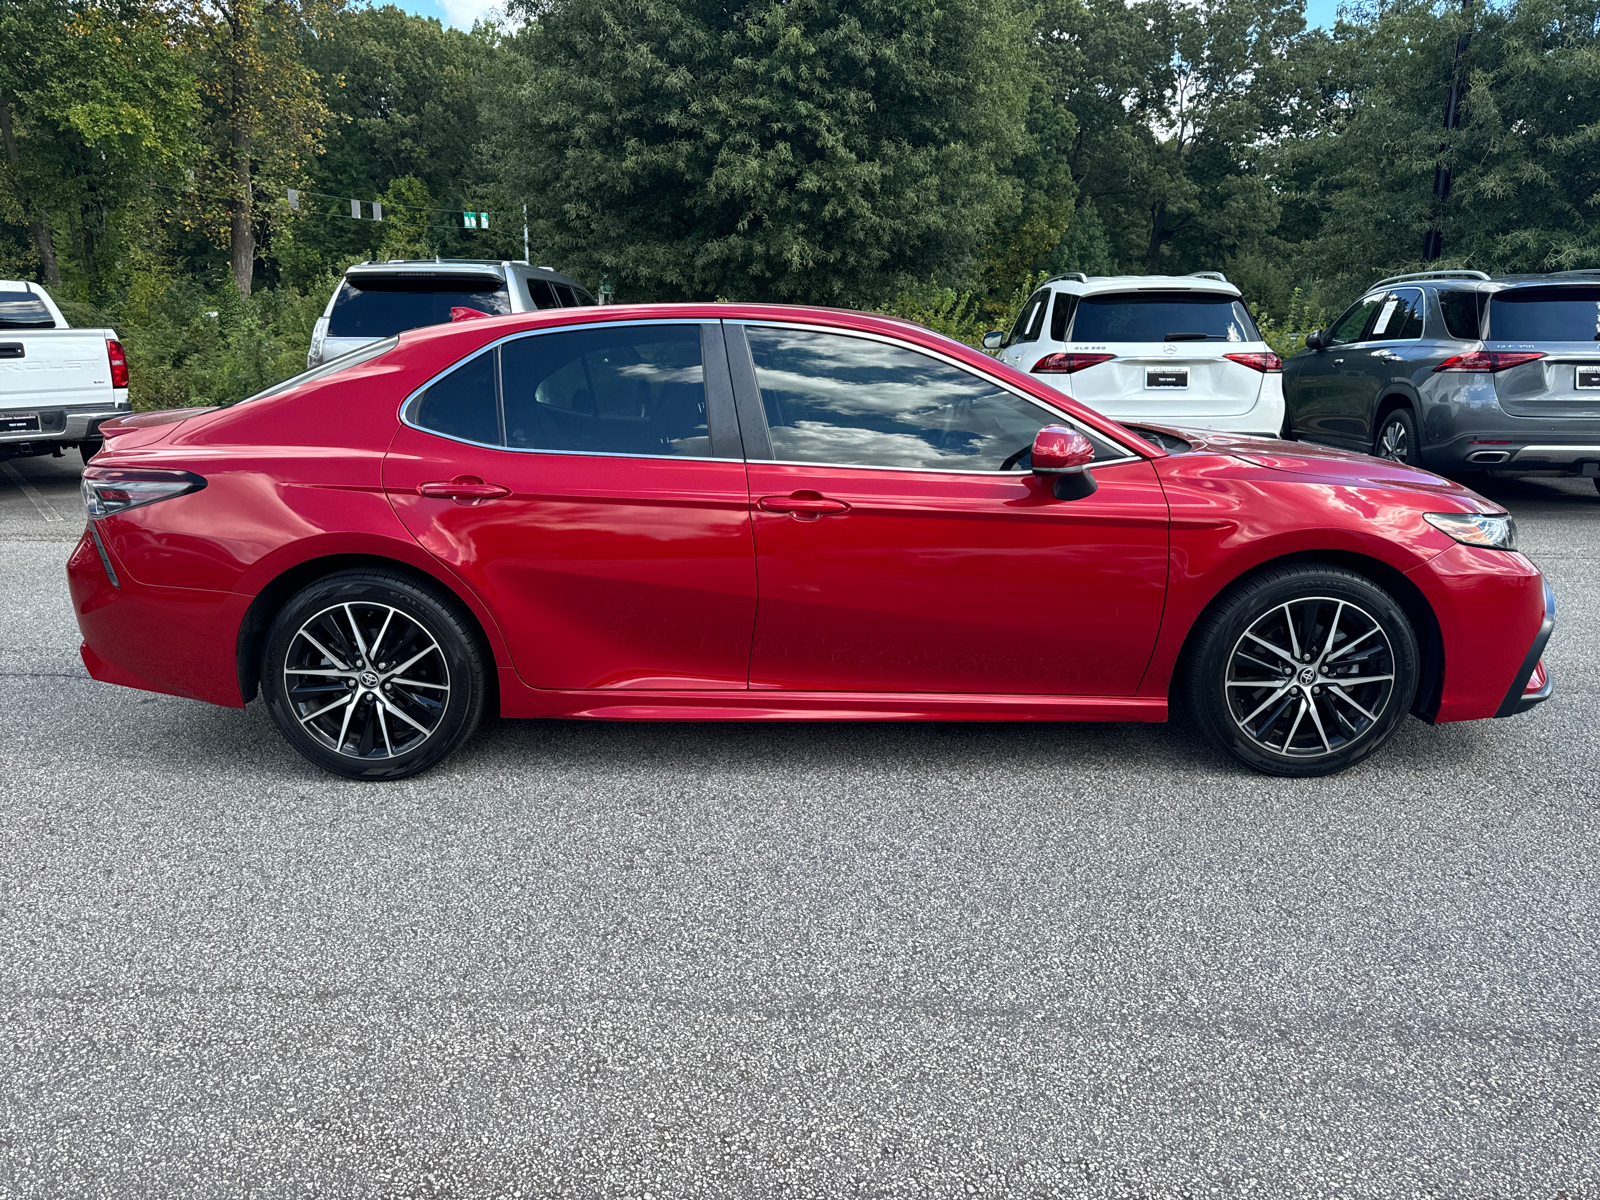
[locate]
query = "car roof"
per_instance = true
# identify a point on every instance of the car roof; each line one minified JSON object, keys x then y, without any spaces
{"x":1481,"y":281}
{"x":1077,"y":284}
{"x":487,"y":267}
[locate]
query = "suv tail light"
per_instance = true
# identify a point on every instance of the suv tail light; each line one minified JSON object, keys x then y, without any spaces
{"x":1066,"y":364}
{"x":1488,"y":360}
{"x":111,"y":490}
{"x":119,"y":363}
{"x":1258,"y":361}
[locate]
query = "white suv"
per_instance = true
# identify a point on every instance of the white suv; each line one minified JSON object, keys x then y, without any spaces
{"x":1168,"y":349}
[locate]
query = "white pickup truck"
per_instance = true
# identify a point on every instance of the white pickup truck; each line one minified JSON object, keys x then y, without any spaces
{"x":57,"y":384}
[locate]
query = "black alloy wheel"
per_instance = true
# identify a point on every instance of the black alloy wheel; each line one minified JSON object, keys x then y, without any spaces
{"x":1303,"y":671}
{"x":1397,"y":438}
{"x":374,"y":674}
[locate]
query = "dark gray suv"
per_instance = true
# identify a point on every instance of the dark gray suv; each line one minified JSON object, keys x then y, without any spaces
{"x":1457,"y":371}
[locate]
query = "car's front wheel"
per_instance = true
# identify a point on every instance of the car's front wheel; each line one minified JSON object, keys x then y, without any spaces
{"x":373,"y":674}
{"x":1303,"y":671}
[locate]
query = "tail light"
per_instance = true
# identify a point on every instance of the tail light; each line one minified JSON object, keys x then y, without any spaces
{"x":1489,"y":360}
{"x":1066,"y":364}
{"x":1257,"y":360}
{"x":119,"y":363}
{"x":108,"y":491}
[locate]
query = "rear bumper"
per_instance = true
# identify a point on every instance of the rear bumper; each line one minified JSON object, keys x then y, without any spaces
{"x":58,"y":426}
{"x":180,"y":641}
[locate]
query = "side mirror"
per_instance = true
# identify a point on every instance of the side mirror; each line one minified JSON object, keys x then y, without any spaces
{"x":1064,"y":455}
{"x":1314,"y":340}
{"x":994,"y":339}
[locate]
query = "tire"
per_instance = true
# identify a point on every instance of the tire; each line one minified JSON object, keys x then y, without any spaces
{"x":1396,"y":439}
{"x":402,"y":716}
{"x":1294,"y":720}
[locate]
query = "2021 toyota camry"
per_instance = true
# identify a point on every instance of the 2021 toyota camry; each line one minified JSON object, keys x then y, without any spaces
{"x":756,"y":512}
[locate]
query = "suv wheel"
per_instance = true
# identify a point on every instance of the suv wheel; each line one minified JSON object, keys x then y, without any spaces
{"x":373,"y":674}
{"x":1303,"y":671}
{"x":1397,"y":438}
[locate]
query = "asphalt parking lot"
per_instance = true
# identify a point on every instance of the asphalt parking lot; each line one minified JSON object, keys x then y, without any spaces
{"x":597,"y":959}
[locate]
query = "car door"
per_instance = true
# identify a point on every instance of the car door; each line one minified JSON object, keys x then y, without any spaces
{"x":1388,"y":351}
{"x":1325,"y":390}
{"x":588,"y":484}
{"x":902,"y":545}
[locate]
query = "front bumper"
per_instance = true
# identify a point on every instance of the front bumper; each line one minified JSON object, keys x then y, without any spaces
{"x":1533,"y":683}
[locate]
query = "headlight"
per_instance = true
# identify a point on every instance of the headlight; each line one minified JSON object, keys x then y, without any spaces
{"x":111,"y":490}
{"x":1475,"y":529}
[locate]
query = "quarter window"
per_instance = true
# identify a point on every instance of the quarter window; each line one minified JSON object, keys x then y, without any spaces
{"x":1463,"y":313}
{"x":462,"y":404}
{"x":849,"y":401}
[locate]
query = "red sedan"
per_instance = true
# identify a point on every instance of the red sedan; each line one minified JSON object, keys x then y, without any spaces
{"x":750,"y":512}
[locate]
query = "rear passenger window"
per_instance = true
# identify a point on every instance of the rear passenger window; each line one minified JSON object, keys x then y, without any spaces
{"x":568,"y":300}
{"x":634,"y":389}
{"x":462,"y":404}
{"x":544,"y":296}
{"x":1061,"y":315}
{"x":1463,"y":313}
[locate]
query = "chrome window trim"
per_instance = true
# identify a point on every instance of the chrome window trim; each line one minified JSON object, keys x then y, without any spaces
{"x":1061,"y":418}
{"x":569,"y":327}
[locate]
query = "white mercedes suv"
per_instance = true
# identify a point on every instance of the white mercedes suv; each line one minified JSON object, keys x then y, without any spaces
{"x":1168,"y":349}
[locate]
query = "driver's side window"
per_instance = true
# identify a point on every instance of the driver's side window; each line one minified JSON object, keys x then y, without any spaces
{"x":851,"y":401}
{"x":1350,"y":327}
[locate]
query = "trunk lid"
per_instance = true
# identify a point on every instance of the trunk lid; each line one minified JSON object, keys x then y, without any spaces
{"x":1152,"y":380}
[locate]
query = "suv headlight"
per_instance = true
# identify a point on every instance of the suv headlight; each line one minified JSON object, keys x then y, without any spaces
{"x":1476,"y":529}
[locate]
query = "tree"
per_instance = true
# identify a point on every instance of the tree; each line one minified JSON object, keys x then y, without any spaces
{"x":817,"y":150}
{"x":264,"y":113}
{"x":402,"y":93}
{"x":96,"y":107}
{"x":1525,"y":160}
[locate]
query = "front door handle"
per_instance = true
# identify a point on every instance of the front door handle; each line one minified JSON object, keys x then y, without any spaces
{"x":462,"y":487}
{"x":806,"y":506}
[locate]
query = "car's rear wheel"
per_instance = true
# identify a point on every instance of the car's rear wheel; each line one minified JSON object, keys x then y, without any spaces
{"x":1397,"y":438}
{"x":373,"y":674}
{"x":1303,"y":671}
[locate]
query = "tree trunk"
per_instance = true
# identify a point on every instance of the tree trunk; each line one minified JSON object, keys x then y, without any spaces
{"x":38,"y":228}
{"x":1158,"y":234}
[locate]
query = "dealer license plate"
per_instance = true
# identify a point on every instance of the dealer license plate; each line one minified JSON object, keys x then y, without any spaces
{"x":1589,"y":377}
{"x":1166,"y":377}
{"x":19,"y":422}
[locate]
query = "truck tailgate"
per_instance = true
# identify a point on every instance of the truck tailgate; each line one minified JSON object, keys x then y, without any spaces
{"x":53,"y":368}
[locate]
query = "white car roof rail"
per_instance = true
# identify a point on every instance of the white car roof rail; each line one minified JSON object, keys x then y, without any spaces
{"x":1462,"y":273}
{"x":1079,"y":276}
{"x":1217,"y":275}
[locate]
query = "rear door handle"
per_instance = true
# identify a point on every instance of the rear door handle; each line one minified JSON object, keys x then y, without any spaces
{"x":462,"y":487}
{"x":802,"y":504}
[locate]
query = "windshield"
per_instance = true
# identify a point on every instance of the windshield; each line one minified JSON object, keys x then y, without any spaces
{"x":384,"y":305}
{"x":24,"y":310}
{"x":1554,"y":314}
{"x":343,"y":363}
{"x":1163,"y":317}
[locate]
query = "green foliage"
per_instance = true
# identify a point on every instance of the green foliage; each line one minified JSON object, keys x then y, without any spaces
{"x":1288,"y":335}
{"x":192,"y":346}
{"x":811,"y":150}
{"x":963,"y":315}
{"x":1525,"y":161}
